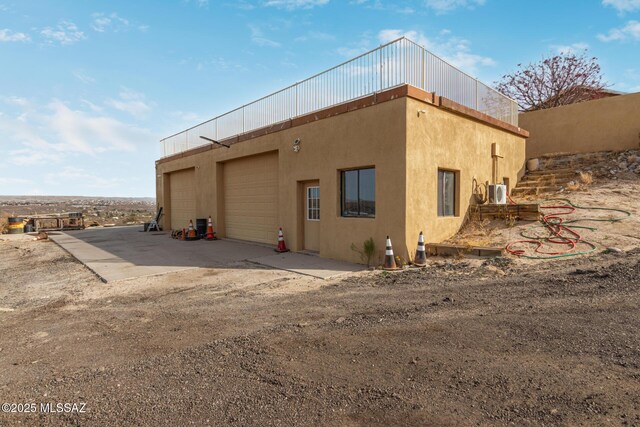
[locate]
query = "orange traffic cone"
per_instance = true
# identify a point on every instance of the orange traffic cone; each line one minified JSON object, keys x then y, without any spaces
{"x":211,"y":235}
{"x":282,"y":247}
{"x":421,"y":255}
{"x":191,"y":235}
{"x":389,"y":260}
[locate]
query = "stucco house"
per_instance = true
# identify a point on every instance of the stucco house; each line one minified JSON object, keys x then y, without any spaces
{"x":385,"y":144}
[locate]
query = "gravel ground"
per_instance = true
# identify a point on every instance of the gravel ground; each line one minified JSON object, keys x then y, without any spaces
{"x":463,"y":342}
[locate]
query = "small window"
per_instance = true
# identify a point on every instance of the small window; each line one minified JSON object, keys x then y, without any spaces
{"x":358,"y":193}
{"x":313,"y":203}
{"x":446,"y":193}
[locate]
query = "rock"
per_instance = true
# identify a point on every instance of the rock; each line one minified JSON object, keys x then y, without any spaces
{"x":584,"y":271}
{"x":622,"y":165}
{"x":447,"y":299}
{"x":495,"y":270}
{"x":340,"y":319}
{"x":614,"y":250}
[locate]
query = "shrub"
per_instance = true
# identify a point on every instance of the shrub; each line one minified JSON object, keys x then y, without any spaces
{"x":586,"y":178}
{"x":367,"y":252}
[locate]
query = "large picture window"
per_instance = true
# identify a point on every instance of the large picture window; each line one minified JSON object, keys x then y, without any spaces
{"x":358,"y":193}
{"x":446,"y":193}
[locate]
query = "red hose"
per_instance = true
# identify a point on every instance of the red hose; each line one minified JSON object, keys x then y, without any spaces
{"x":553,"y":222}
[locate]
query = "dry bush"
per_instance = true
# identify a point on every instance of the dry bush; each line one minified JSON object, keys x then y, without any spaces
{"x":4,"y":221}
{"x":572,"y":186}
{"x":632,"y":158}
{"x":586,"y":178}
{"x":510,"y":220}
{"x":475,"y":233}
{"x":548,"y":163}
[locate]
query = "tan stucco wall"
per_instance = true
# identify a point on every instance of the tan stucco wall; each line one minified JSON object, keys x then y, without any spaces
{"x":372,"y":136}
{"x":440,"y":139}
{"x":600,"y":125}
{"x":406,"y":151}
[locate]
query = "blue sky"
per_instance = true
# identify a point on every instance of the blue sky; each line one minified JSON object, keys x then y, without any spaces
{"x":88,"y":88}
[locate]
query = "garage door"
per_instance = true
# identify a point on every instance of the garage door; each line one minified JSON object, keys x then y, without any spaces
{"x":183,"y":198}
{"x":250,"y":198}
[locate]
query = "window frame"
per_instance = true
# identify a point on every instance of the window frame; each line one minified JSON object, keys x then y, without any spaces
{"x":342,"y":192}
{"x":440,"y":193}
{"x":314,"y":209}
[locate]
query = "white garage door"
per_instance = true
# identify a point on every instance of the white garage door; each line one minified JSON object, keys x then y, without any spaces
{"x":183,"y":198}
{"x":251,"y":198}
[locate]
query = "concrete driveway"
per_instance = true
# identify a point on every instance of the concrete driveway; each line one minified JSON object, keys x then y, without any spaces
{"x":120,"y":253}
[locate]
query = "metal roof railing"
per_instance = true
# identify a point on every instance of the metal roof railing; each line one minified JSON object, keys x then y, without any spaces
{"x":396,"y":63}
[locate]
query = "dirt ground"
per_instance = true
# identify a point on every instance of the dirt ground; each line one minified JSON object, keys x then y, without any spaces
{"x":619,"y":194}
{"x":462,"y":342}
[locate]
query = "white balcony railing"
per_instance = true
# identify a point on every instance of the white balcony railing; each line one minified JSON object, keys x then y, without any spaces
{"x":398,"y":62}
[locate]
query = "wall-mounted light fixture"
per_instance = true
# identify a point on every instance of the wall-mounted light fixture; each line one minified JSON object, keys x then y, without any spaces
{"x":296,"y":145}
{"x":421,"y":112}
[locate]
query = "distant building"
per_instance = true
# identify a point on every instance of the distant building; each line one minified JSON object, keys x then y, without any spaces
{"x":388,"y":143}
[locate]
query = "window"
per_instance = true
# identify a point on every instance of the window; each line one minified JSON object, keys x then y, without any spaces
{"x":313,"y":203}
{"x":358,"y":193}
{"x":446,"y":193}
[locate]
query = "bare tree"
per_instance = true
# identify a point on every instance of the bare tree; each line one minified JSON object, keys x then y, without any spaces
{"x":557,"y":80}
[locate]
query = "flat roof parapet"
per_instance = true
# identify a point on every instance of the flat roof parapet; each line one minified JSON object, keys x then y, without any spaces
{"x":369,"y":101}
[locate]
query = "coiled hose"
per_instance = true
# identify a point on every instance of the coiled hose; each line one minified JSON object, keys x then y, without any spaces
{"x":559,"y":233}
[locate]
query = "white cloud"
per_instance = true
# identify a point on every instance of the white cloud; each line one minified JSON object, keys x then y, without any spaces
{"x":6,"y":35}
{"x":316,"y":35}
{"x":14,"y":181}
{"x":17,"y":101}
{"x":623,"y":5}
{"x":64,"y":33}
{"x":384,"y":7}
{"x":130,"y":102}
{"x":631,"y":31}
{"x":359,"y":46}
{"x":73,"y":174}
{"x":258,"y":37}
{"x":349,"y":52}
{"x":295,"y":4}
{"x":452,"y":49}
{"x":444,"y":6}
{"x":571,"y":48}
{"x":187,"y":116}
{"x":386,"y":36}
{"x":109,"y":22}
{"x":221,"y":63}
{"x":93,"y":107}
{"x":55,"y":132}
{"x":83,"y":77}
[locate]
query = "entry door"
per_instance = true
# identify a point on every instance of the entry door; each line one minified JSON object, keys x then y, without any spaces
{"x":312,"y":216}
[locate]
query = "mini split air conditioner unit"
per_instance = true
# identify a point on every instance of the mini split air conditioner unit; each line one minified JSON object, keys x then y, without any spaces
{"x":497,"y":194}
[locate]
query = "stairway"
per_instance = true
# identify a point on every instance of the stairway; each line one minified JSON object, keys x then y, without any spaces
{"x":556,"y":172}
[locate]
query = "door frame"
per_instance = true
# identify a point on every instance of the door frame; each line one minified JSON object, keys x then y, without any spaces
{"x":302,"y":211}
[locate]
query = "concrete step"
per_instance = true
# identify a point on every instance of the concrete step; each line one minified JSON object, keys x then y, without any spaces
{"x":558,"y":171}
{"x":581,"y":156}
{"x":535,"y":190}
{"x":547,"y":180}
